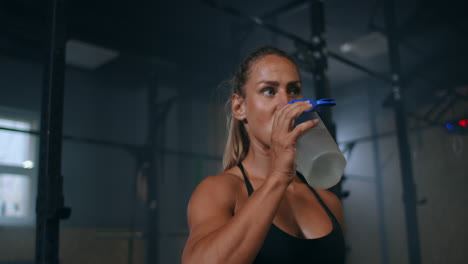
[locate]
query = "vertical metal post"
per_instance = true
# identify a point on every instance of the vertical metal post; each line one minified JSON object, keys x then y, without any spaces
{"x":409,"y":188}
{"x":50,"y":201}
{"x":378,"y":178}
{"x":153,"y":206}
{"x":321,"y":81}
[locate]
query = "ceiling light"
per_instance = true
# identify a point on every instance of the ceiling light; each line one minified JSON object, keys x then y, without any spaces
{"x":88,"y":56}
{"x":367,"y":46}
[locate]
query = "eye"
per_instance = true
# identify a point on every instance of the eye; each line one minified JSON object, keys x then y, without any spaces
{"x":295,"y":90}
{"x":268,"y":91}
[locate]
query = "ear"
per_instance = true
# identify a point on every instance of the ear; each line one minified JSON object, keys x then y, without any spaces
{"x":238,"y":107}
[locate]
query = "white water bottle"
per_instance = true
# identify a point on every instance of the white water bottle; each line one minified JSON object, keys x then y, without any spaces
{"x":317,"y":155}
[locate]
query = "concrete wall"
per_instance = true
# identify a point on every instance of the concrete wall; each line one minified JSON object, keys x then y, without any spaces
{"x":98,"y":179}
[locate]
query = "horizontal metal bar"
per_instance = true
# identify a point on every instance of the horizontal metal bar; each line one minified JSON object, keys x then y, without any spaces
{"x":137,"y":234}
{"x":76,"y":139}
{"x":383,"y":135}
{"x":359,"y":67}
{"x":283,"y":9}
{"x":122,"y":145}
{"x":119,"y":234}
{"x":349,"y":177}
{"x":260,"y":22}
{"x":11,"y":169}
{"x":32,"y":132}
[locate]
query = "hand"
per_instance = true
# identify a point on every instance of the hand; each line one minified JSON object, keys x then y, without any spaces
{"x":284,"y":137}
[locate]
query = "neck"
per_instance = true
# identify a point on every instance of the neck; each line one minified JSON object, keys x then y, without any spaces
{"x":258,"y":160}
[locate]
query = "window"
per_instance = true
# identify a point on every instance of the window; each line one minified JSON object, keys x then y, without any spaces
{"x":18,"y":172}
{"x":14,"y":196}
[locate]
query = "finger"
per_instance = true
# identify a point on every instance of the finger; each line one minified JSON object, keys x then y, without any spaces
{"x":286,"y":120}
{"x":303,"y":127}
{"x":282,"y":112}
{"x":291,"y":110}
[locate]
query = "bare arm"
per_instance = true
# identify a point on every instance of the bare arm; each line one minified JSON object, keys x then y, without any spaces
{"x":216,"y":236}
{"x":219,"y":236}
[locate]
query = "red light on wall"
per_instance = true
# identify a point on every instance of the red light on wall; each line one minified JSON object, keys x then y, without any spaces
{"x":463,"y":123}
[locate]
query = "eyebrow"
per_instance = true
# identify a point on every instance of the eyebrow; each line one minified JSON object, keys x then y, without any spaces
{"x":275,"y":83}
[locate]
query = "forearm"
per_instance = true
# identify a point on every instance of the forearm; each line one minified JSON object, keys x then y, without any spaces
{"x":240,"y":239}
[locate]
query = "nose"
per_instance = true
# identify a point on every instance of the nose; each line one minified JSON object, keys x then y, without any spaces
{"x":282,"y":99}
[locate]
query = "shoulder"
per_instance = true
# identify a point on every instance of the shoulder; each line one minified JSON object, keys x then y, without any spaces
{"x":225,"y":183}
{"x":211,"y":206}
{"x":216,"y":192}
{"x":333,"y":203}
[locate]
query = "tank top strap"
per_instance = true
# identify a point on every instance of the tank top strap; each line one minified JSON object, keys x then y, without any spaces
{"x":246,"y":180}
{"x":301,"y":177}
{"x":329,"y":212}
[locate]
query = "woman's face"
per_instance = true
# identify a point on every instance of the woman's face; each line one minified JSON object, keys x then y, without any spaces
{"x":272,"y":82}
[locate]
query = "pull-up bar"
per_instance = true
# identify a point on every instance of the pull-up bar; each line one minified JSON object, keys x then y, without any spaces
{"x":260,"y":22}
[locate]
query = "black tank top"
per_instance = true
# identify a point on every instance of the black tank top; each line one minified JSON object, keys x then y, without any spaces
{"x":281,"y":247}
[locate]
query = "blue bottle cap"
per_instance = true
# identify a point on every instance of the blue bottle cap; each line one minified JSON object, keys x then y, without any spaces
{"x":318,"y":105}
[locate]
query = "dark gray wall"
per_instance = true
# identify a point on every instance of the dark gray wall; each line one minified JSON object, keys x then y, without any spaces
{"x":98,"y":178}
{"x":375,"y":217}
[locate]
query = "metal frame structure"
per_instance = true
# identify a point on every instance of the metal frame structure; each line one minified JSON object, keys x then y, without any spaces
{"x":50,"y":207}
{"x":143,"y":155}
{"x":318,"y":63}
{"x":313,"y":52}
{"x":406,"y":168}
{"x":153,"y":185}
{"x":50,"y":201}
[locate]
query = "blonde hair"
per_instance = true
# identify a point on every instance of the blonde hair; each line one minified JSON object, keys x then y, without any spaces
{"x":238,"y":142}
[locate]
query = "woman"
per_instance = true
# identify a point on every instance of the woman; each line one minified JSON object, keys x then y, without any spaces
{"x":260,"y":210}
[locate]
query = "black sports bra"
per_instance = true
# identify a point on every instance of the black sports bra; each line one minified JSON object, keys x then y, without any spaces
{"x":281,"y":247}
